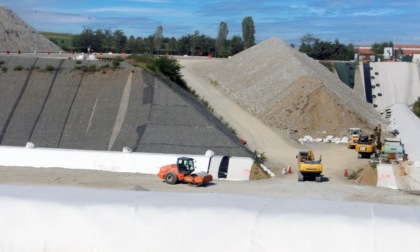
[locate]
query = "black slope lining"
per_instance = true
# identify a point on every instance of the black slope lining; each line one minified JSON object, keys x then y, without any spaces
{"x":368,"y":82}
{"x":12,"y":85}
{"x":48,"y":129}
{"x":55,"y":104}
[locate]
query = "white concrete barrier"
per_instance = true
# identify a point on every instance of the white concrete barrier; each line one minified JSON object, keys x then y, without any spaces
{"x":124,"y":161}
{"x":231,"y":168}
{"x":386,"y":177}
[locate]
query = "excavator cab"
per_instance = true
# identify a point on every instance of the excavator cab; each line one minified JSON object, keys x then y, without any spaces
{"x":364,"y":139}
{"x":303,"y":156}
{"x":308,"y":167}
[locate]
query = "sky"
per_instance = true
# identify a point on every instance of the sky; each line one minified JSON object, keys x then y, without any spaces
{"x":360,"y":22}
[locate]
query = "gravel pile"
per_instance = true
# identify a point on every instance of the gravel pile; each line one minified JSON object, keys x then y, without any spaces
{"x":289,"y":90}
{"x":16,"y":35}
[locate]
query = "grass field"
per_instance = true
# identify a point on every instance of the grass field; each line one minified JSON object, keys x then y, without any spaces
{"x":63,"y":40}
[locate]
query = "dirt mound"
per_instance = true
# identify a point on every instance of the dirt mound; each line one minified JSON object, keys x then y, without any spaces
{"x":257,"y":173}
{"x":366,"y":176}
{"x":16,"y":35}
{"x":311,"y":111}
{"x":288,"y":90}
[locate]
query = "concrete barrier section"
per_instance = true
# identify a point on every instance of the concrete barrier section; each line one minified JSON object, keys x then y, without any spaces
{"x":386,"y":177}
{"x":230,"y":168}
{"x":233,"y":168}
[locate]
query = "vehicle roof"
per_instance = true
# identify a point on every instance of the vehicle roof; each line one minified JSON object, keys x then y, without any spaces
{"x":392,"y":139}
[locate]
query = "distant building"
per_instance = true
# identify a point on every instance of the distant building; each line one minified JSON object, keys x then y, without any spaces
{"x":407,"y":50}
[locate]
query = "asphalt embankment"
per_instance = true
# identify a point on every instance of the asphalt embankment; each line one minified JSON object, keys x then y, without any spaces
{"x":53,"y":103}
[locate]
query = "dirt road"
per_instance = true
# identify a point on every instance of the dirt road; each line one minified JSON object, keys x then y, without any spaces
{"x":284,"y":186}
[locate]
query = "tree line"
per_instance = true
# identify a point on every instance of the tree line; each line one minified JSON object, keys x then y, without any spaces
{"x":99,"y":40}
{"x":199,"y":44}
{"x":325,"y":50}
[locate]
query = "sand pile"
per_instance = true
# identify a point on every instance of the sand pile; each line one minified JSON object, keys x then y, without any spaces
{"x":16,"y":35}
{"x":288,"y":90}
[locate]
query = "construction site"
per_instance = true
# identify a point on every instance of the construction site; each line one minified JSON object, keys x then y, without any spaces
{"x":344,"y":141}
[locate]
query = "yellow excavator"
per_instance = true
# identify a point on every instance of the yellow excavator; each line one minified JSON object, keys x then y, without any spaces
{"x":308,"y":167}
{"x":369,"y":146}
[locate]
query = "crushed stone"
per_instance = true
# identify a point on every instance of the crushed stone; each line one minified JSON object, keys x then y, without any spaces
{"x":291,"y":91}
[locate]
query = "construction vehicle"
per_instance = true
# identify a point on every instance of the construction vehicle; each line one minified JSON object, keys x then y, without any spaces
{"x":183,"y":171}
{"x":354,"y":135}
{"x":308,"y":167}
{"x":392,"y":148}
{"x":369,"y":146}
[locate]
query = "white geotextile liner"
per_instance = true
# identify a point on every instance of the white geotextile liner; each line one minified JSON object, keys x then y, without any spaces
{"x":408,"y":126}
{"x":75,"y":219}
{"x":399,"y":83}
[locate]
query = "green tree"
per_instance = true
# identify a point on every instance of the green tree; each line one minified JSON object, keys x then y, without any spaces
{"x":307,"y":42}
{"x":324,"y":50}
{"x":221,"y":42}
{"x":184,"y":44}
{"x":158,"y":38}
{"x":84,"y":40}
{"x":148,"y":44}
{"x":139,"y":48}
{"x":248,"y":32}
{"x":171,"y":46}
{"x":131,"y":45}
{"x":119,"y":40}
{"x":196,"y":44}
{"x":378,"y":48}
{"x":171,"y":69}
{"x":97,"y":42}
{"x":236,"y":45}
{"x":107,"y":40}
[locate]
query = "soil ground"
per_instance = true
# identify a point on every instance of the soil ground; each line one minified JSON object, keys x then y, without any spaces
{"x":284,"y":186}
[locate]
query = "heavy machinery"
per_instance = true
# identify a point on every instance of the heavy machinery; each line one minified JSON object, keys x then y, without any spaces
{"x":392,"y":148}
{"x":369,"y":146}
{"x":308,"y":167}
{"x":354,"y":135}
{"x":183,"y":171}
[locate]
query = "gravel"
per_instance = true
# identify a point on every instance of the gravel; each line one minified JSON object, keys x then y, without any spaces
{"x":16,"y":35}
{"x":289,"y":90}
